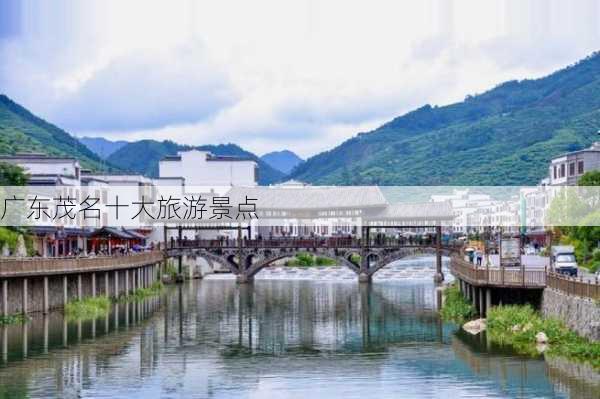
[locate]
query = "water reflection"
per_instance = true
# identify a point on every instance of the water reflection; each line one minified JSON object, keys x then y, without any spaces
{"x":272,"y":339}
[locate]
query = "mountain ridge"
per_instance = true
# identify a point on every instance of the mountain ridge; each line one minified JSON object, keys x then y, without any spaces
{"x":284,"y":161}
{"x":22,"y":131}
{"x":101,"y":146}
{"x":506,"y":135}
{"x":142,"y":157}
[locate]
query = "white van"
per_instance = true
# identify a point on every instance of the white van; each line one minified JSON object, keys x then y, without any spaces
{"x":563,"y":260}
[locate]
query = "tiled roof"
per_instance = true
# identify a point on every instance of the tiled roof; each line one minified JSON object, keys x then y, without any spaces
{"x":414,"y":211}
{"x":313,"y":197}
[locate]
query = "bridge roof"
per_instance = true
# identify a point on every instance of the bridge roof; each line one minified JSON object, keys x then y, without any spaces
{"x":310,"y":197}
{"x":416,"y":211}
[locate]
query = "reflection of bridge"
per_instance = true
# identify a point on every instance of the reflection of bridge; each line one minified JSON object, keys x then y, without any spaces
{"x":364,"y":256}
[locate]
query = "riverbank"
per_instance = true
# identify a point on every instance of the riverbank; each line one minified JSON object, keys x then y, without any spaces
{"x":143,"y":293}
{"x":87,"y":308}
{"x":93,"y":307}
{"x":13,"y":319}
{"x":456,"y":308}
{"x":529,"y":333}
{"x":524,"y":329}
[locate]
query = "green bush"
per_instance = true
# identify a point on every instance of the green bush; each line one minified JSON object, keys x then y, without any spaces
{"x":143,"y":293}
{"x":323,"y":261}
{"x":517,"y":326}
{"x":88,"y":308}
{"x":8,"y":237}
{"x":13,"y":319}
{"x":305,"y":259}
{"x":456,"y":308}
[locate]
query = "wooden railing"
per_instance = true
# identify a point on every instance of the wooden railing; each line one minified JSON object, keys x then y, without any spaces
{"x":308,"y":242}
{"x":498,"y":277}
{"x":23,"y":267}
{"x":573,"y":286}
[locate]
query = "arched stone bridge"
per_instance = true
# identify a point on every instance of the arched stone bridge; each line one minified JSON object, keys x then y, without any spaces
{"x":245,"y":258}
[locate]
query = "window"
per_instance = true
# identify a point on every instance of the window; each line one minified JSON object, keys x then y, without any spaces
{"x":562,"y":170}
{"x":555,"y":172}
{"x":572,"y":169}
{"x":580,"y":167}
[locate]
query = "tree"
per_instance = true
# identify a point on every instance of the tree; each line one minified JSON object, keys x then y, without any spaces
{"x":12,"y":175}
{"x":591,"y":178}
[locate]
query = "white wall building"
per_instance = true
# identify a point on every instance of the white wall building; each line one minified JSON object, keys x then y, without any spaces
{"x":47,"y":170}
{"x":568,"y":168}
{"x":201,"y":168}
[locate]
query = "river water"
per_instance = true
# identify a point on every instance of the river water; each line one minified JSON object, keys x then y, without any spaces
{"x":291,"y":334}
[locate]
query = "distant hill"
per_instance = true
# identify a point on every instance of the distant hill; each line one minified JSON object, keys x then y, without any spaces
{"x":504,"y":136}
{"x":283,"y":161}
{"x":143,"y":156}
{"x":21,"y":131}
{"x":101,"y":146}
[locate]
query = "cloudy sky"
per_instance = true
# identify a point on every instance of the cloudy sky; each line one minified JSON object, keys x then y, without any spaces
{"x":270,"y":74}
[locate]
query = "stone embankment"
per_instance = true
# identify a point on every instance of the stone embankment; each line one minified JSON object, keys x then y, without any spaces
{"x":580,"y":314}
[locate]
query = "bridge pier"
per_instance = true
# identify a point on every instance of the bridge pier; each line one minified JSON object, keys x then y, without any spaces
{"x":439,"y":275}
{"x":364,"y":278}
{"x":243,"y":278}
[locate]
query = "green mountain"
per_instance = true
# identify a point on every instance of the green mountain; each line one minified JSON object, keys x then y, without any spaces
{"x":21,"y":131}
{"x":101,"y":146}
{"x":505,"y":136}
{"x":143,"y":156}
{"x":284,"y":161}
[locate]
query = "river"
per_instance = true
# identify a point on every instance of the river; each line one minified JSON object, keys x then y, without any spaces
{"x":291,"y":334}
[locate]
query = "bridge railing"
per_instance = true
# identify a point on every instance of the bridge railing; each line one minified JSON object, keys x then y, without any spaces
{"x":495,"y":276}
{"x":573,"y":286}
{"x":23,"y":267}
{"x":310,"y":242}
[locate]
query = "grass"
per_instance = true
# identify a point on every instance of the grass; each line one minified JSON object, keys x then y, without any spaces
{"x":305,"y":259}
{"x":13,"y":319}
{"x":517,"y":326}
{"x":456,"y":308}
{"x":143,"y":293}
{"x":93,"y":307}
{"x":171,"y":270}
{"x":88,"y":308}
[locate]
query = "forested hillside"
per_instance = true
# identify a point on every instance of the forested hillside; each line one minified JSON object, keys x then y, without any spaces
{"x":506,"y":135}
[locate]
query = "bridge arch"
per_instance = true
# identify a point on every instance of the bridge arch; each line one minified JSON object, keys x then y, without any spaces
{"x":386,"y":257}
{"x":247,"y":262}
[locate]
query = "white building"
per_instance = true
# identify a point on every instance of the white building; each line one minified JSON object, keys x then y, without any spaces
{"x":47,"y":170}
{"x":201,"y":168}
{"x":566,"y":169}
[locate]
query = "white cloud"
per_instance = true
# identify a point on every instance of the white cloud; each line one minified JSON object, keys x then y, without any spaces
{"x":269,"y":74}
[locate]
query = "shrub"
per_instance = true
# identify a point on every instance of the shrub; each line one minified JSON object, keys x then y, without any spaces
{"x":13,"y":319}
{"x":517,"y":326}
{"x":456,"y":308}
{"x":323,"y":261}
{"x":143,"y":293}
{"x":88,"y":308}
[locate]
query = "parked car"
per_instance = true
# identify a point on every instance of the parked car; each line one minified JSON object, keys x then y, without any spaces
{"x":563,"y":260}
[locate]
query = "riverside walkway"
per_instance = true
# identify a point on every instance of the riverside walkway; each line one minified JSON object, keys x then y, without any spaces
{"x":491,"y":285}
{"x":41,"y":284}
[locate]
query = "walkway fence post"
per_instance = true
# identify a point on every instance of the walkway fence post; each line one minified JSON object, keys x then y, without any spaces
{"x":65,"y":290}
{"x":5,"y":297}
{"x":45,"y":304}
{"x":25,"y":297}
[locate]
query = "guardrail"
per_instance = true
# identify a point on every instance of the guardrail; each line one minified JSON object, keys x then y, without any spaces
{"x":498,"y":277}
{"x":300,"y":242}
{"x":573,"y":286}
{"x":23,"y":267}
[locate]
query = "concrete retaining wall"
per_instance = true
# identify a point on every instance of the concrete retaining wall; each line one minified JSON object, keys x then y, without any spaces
{"x":580,"y":314}
{"x":78,"y":284}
